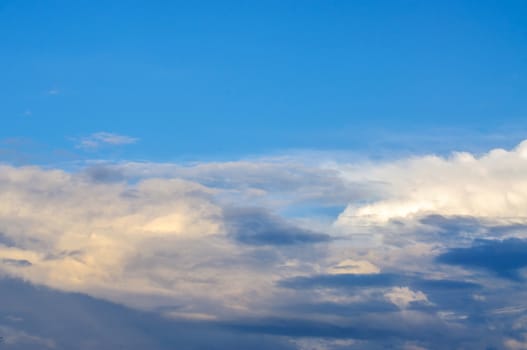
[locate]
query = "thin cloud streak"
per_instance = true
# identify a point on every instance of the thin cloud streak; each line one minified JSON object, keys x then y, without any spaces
{"x":99,"y":139}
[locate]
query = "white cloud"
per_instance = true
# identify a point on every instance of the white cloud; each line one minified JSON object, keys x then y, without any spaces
{"x":148,"y":243}
{"x":451,"y":316}
{"x":350,"y":266}
{"x":99,"y":139}
{"x":79,"y":235}
{"x":404,"y":296}
{"x":491,"y":187}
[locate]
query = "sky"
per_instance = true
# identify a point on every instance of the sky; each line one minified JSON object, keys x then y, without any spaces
{"x":303,"y":175}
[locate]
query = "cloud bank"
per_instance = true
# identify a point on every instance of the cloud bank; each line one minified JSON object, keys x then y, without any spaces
{"x":418,"y":253}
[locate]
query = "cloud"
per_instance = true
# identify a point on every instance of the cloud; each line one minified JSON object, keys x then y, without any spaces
{"x":371,"y":332}
{"x":453,"y":225}
{"x":308,"y":328}
{"x":403,"y":296}
{"x":339,"y":307}
{"x":375,"y":280}
{"x":323,"y":344}
{"x":103,"y":173}
{"x":33,"y":318}
{"x":46,"y":215}
{"x":490,"y":187}
{"x":17,"y":339}
{"x":146,"y":243}
{"x":350,"y":266}
{"x":516,"y":344}
{"x":341,"y":281}
{"x":423,"y":251}
{"x":504,"y":258}
{"x":16,"y":262}
{"x":257,"y":227}
{"x":99,"y":139}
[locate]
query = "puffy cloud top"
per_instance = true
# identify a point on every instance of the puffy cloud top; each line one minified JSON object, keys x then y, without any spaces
{"x":492,"y":186}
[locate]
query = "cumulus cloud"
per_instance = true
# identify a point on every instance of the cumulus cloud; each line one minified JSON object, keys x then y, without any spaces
{"x":313,"y":252}
{"x":492,"y":187}
{"x":70,"y":233}
{"x":146,"y":243}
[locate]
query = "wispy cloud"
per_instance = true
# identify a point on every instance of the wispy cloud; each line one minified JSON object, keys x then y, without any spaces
{"x":102,"y":138}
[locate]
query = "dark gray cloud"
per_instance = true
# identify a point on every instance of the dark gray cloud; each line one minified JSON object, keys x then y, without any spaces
{"x":258,"y":227}
{"x":441,"y":293}
{"x":75,"y":321}
{"x":452,"y":224}
{"x":72,"y":320}
{"x":374,"y":331}
{"x":63,"y":254}
{"x":7,"y":241}
{"x":504,"y":258}
{"x":455,"y":229}
{"x":16,"y":262}
{"x":308,"y":328}
{"x":104,"y":173}
{"x":378,"y":280}
{"x":442,"y":284}
{"x":342,"y":309}
{"x":341,"y":281}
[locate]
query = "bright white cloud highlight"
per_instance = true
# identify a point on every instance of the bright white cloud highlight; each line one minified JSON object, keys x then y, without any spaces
{"x":492,"y":187}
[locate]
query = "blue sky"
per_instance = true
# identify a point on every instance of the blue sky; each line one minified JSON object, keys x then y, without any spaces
{"x":227,"y":79}
{"x":291,"y":175}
